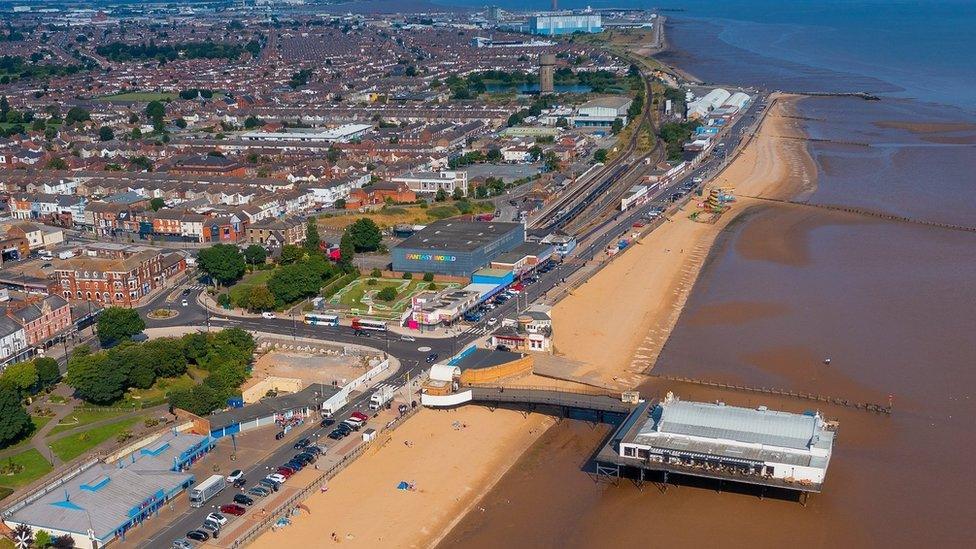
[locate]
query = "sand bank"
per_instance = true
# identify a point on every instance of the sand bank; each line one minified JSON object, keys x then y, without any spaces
{"x":618,"y":321}
{"x":451,"y":468}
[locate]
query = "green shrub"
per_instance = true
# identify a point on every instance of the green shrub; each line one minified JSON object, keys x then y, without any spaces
{"x":408,"y":276}
{"x":428,"y":277}
{"x":387,"y":294}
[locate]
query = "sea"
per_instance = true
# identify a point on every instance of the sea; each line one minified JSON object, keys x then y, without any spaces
{"x":891,"y":302}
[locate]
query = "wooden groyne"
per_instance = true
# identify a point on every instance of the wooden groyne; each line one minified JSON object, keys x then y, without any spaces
{"x":817,"y":140}
{"x":861,"y":95}
{"x":871,"y":213}
{"x":865,"y":406}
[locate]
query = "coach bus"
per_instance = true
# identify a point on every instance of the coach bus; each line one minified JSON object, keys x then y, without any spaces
{"x":375,"y":325}
{"x":316,"y":319}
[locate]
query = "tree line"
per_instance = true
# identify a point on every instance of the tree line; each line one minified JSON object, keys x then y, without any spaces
{"x":120,"y":51}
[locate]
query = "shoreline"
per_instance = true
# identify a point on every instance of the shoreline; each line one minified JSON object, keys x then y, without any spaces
{"x":648,"y":286}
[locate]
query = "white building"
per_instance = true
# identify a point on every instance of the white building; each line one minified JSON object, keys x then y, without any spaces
{"x":13,"y":341}
{"x":602,"y":111}
{"x":431,"y":182}
{"x":712,"y":100}
{"x":341,"y":134}
{"x":713,"y":438}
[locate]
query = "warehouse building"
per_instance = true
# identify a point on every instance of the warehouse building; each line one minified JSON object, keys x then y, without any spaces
{"x":104,"y":500}
{"x":457,"y":248}
{"x":552,"y":24}
{"x":602,"y":111}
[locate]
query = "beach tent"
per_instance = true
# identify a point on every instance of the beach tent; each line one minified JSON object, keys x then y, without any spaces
{"x":404,"y":485}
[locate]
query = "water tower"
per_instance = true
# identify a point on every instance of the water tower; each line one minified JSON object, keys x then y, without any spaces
{"x":547,"y":71}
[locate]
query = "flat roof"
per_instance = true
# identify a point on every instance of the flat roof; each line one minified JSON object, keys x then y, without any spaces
{"x":454,"y":235}
{"x":523,"y":250}
{"x":271,"y":406}
{"x":103,"y":496}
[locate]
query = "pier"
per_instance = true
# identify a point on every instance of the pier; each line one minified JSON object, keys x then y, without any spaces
{"x":598,"y":406}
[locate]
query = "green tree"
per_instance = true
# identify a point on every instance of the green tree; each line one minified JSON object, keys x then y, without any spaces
{"x":617,"y":126}
{"x":14,"y":420}
{"x":340,"y":204}
{"x":42,"y":539}
{"x":535,"y":153}
{"x":387,"y":294}
{"x":116,"y":324}
{"x":312,"y":238}
{"x":94,"y":379}
{"x":376,"y":273}
{"x":494,"y":155}
{"x":291,"y":253}
{"x":106,"y":133}
{"x":457,"y":194}
{"x":551,"y":161}
{"x":155,"y":110}
{"x":48,"y":373}
{"x":255,"y":254}
{"x":293,"y":282}
{"x":600,"y":155}
{"x":21,"y":376}
{"x":365,"y":235}
{"x":76,"y":114}
{"x":333,"y":154}
{"x":64,"y":541}
{"x":428,"y":277}
{"x":224,"y":263}
{"x":195,"y":345}
{"x":156,"y":203}
{"x":167,"y":356}
{"x":347,"y":249}
{"x":407,"y":276}
{"x":252,"y":122}
{"x":260,"y":299}
{"x":440,"y":196}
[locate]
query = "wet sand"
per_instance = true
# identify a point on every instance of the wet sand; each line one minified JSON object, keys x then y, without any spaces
{"x":645,"y":289}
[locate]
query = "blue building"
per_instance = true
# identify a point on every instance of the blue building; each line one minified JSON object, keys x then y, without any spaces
{"x":457,"y":248}
{"x":105,"y":500}
{"x":554,"y":24}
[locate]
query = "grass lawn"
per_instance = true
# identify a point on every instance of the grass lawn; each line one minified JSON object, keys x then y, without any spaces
{"x":244,"y":285}
{"x":157,"y":393}
{"x":80,"y":418}
{"x":34,"y":467}
{"x":409,"y":214}
{"x":75,"y":445}
{"x":351,"y":296}
{"x":139,"y":96}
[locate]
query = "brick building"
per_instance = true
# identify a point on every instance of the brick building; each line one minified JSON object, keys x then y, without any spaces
{"x":42,"y":319}
{"x":115,"y":275}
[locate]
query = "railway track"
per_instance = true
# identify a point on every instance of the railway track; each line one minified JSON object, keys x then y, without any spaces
{"x":607,"y":187}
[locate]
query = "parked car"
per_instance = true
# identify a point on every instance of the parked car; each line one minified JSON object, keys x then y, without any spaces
{"x":239,"y":483}
{"x":211,"y":528}
{"x":279,"y":435}
{"x":272,"y":484}
{"x":268,"y":314}
{"x":327,"y":421}
{"x":233,"y":509}
{"x":184,"y":303}
{"x":286,"y":471}
{"x":307,"y":457}
{"x":407,"y":338}
{"x":302,"y":443}
{"x":280,"y":479}
{"x":294,"y":465}
{"x":336,"y":434}
{"x":315,"y":449}
{"x":431,"y":358}
{"x":234,"y":475}
{"x":492,"y":321}
{"x":182,"y":543}
{"x":198,"y":535}
{"x":359,"y":416}
{"x":259,"y":491}
{"x":243,"y":500}
{"x":218,"y":518}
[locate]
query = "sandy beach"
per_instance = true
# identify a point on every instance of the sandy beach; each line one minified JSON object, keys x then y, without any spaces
{"x":616,"y":324}
{"x":618,"y":321}
{"x":450,"y":468}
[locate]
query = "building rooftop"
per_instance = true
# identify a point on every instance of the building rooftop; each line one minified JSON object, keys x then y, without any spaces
{"x":309,"y":396}
{"x":453,"y":235}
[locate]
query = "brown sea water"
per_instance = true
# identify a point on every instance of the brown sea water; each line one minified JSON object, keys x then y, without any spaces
{"x":892,"y":305}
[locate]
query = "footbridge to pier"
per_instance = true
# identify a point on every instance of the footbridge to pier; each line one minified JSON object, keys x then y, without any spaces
{"x":602,"y":406}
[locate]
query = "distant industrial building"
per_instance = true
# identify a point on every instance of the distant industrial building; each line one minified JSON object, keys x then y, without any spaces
{"x":552,"y":24}
{"x":456,"y":248}
{"x":602,"y":111}
{"x":341,"y":134}
{"x":713,"y":440}
{"x":482,"y":42}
